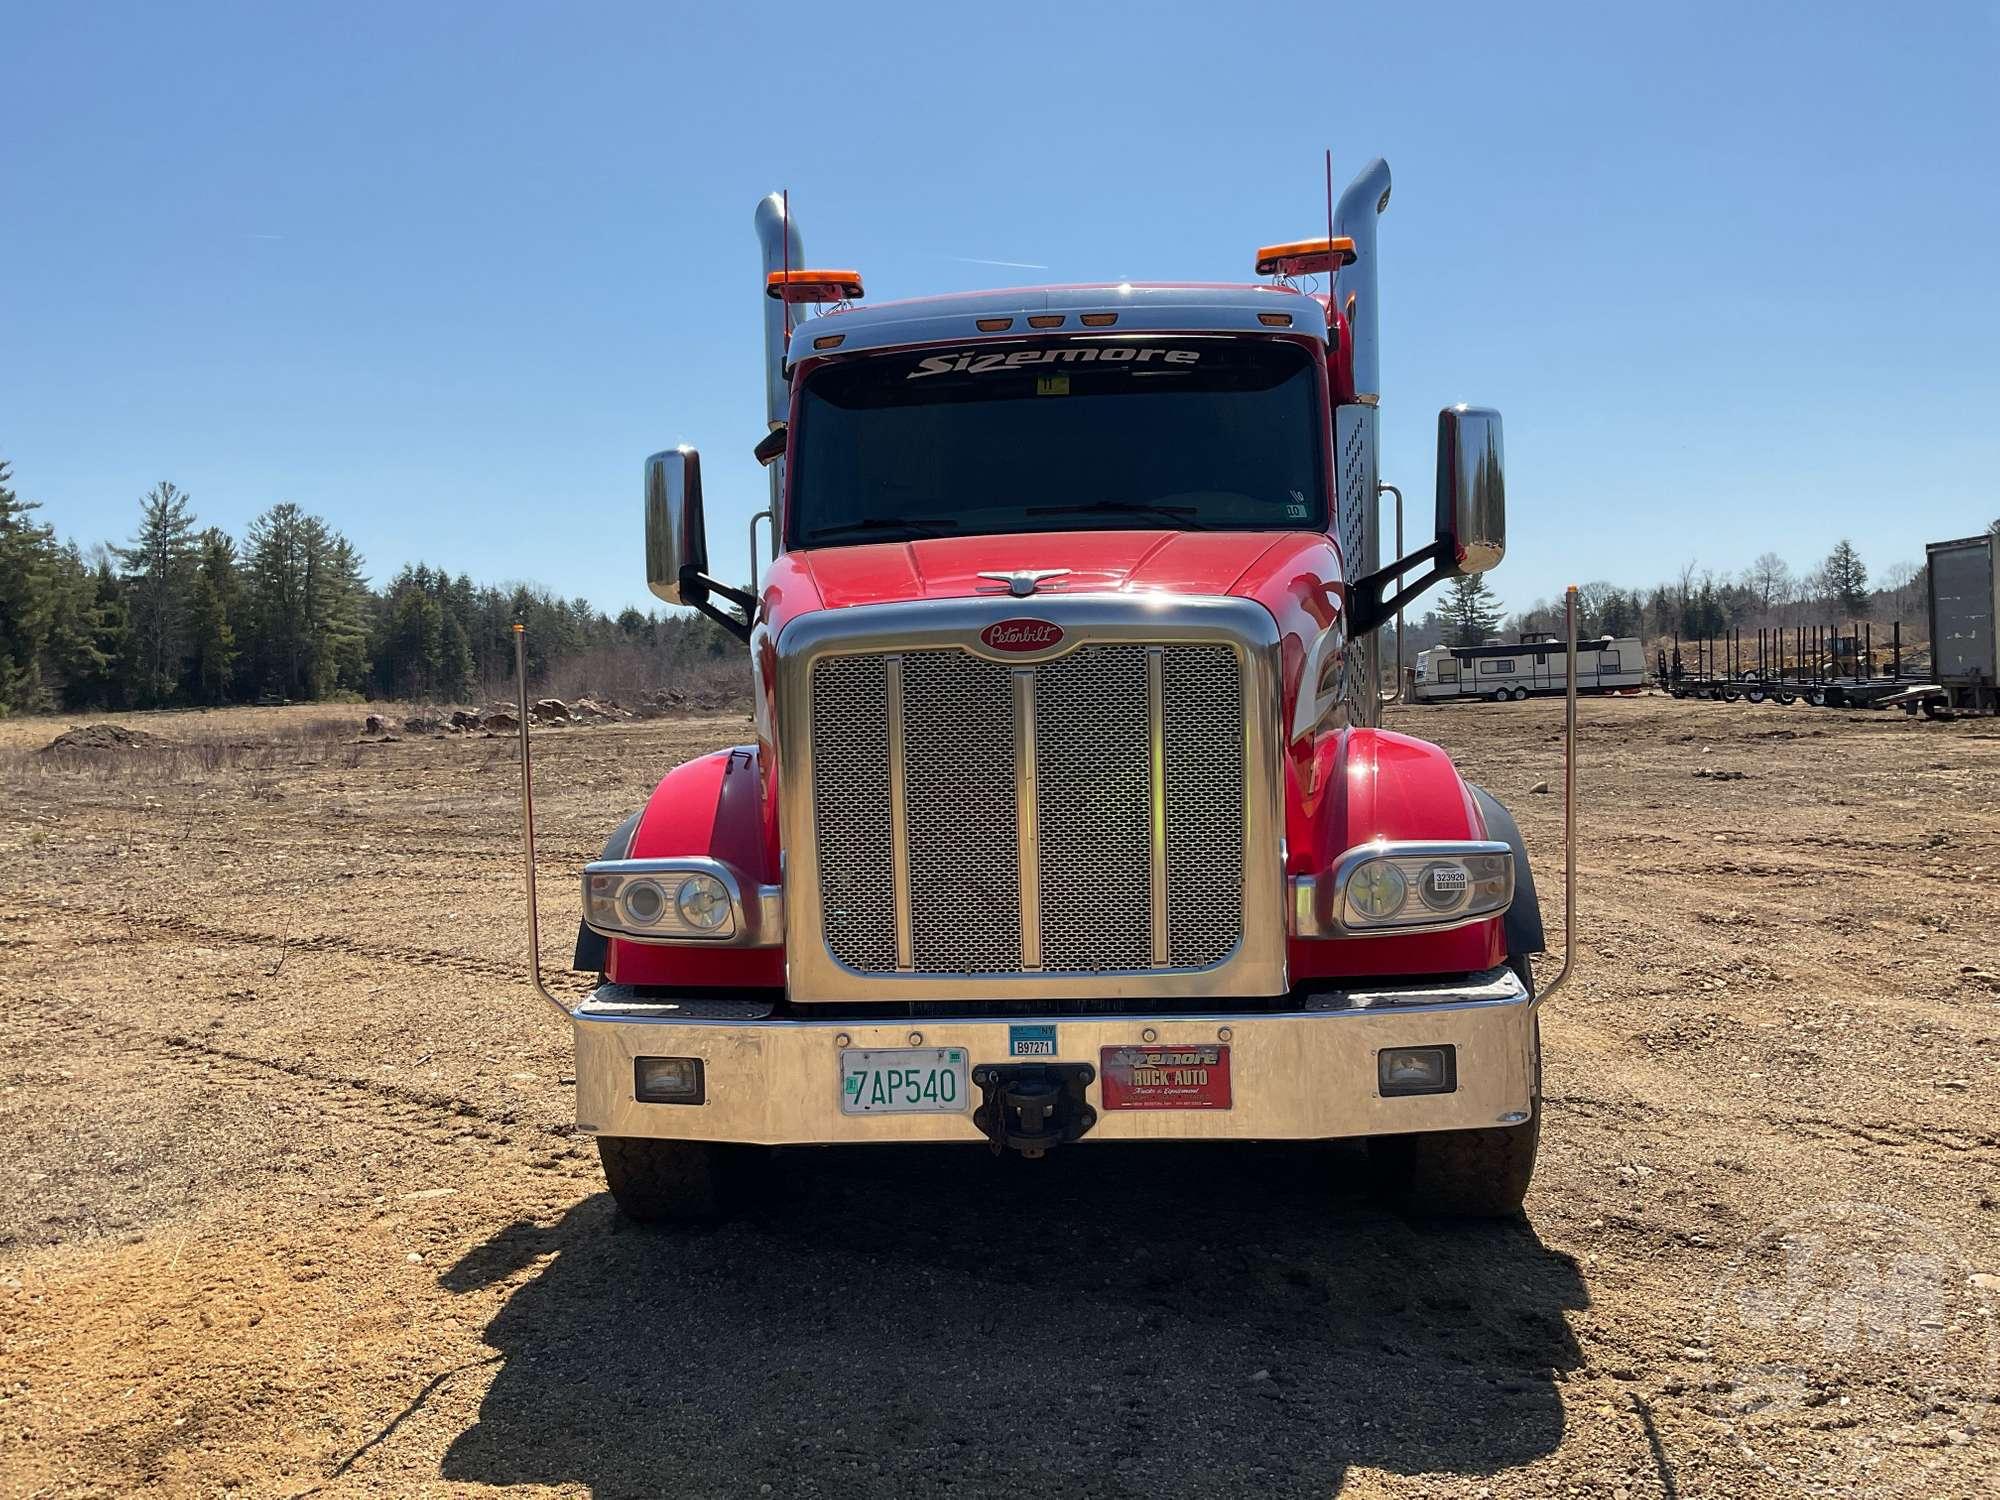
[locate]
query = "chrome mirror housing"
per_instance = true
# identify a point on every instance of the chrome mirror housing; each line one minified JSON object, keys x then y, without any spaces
{"x":676,"y":538}
{"x":1471,"y":491}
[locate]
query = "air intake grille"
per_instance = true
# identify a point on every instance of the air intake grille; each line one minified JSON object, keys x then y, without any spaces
{"x":1100,"y":833}
{"x":1094,"y":788}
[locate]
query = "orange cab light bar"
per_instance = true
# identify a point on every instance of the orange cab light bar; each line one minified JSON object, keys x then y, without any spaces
{"x":813,"y":286}
{"x":1305,"y":257}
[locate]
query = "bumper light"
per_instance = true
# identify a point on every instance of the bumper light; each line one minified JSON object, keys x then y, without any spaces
{"x":1416,"y":1070}
{"x":669,"y":1080}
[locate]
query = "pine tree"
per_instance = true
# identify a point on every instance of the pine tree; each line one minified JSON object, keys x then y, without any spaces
{"x":214,"y":606}
{"x":26,"y":554}
{"x":1846,"y":579}
{"x":1471,"y":610}
{"x":159,"y":572}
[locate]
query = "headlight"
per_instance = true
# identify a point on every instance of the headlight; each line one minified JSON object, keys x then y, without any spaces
{"x":643,"y":901}
{"x":658,"y":901}
{"x":1378,"y":890}
{"x":1451,"y":883}
{"x":703,"y":902}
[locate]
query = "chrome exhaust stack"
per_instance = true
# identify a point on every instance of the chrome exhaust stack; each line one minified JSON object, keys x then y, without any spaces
{"x":781,"y":248}
{"x":1354,"y":285}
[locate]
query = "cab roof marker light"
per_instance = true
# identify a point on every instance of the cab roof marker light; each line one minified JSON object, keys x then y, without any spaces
{"x":1275,"y":320}
{"x":1097,"y":320}
{"x":1311,"y":257}
{"x":993,"y":325}
{"x":1045,"y":320}
{"x":829,"y":341}
{"x":794,"y":287}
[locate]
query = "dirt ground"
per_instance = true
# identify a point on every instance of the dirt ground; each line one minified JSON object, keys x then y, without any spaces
{"x":294,"y":1204}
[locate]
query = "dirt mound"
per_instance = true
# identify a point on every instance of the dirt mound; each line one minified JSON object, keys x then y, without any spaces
{"x":101,"y":737}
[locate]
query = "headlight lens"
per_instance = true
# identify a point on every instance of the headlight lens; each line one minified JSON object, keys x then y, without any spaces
{"x":1378,"y":890}
{"x":643,"y":901}
{"x":1444,"y":885}
{"x":1452,"y":883}
{"x":703,"y":902}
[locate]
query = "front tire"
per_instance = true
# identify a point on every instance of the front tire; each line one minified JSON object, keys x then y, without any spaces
{"x":1461,"y":1174}
{"x":677,"y":1182}
{"x":1470,"y":1174}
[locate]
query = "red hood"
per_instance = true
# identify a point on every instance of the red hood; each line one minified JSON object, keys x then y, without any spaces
{"x":1208,"y":562}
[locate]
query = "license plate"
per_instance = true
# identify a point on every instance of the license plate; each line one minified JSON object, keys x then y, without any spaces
{"x":1152,"y":1077}
{"x":905,"y":1081}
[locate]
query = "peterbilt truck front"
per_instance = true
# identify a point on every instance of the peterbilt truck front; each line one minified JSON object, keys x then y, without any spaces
{"x":1066,"y":818}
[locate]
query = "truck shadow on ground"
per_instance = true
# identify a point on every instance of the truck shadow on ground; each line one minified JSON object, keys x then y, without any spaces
{"x":1111,"y":1321}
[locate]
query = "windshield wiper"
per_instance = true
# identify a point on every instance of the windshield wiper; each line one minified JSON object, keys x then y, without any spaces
{"x":1183,"y":514}
{"x":931,"y":526}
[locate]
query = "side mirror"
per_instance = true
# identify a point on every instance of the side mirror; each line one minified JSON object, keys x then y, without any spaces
{"x":676,"y":538}
{"x":1471,"y":491}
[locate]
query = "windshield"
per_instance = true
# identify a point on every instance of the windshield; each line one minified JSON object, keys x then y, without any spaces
{"x":1175,"y":433}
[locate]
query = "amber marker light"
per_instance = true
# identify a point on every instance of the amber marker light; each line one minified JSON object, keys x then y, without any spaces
{"x":1305,"y":257}
{"x":813,"y":286}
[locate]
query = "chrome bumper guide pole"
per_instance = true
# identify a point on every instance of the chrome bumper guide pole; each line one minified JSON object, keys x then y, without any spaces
{"x":528,"y":820}
{"x":1569,"y":808}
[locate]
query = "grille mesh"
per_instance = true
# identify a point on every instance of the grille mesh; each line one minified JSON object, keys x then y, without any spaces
{"x":958,"y":775}
{"x":850,"y":730}
{"x":1094,"y":785}
{"x":1093,"y":774}
{"x":1204,"y":766}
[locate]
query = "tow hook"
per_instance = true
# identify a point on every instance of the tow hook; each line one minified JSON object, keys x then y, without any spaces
{"x":1029,"y":1107}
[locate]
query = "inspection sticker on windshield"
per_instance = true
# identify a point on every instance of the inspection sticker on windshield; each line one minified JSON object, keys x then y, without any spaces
{"x":1031,"y":1041}
{"x":1152,"y":1077}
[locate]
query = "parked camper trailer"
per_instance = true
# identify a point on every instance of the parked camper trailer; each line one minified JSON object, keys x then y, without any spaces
{"x":1498,"y":671}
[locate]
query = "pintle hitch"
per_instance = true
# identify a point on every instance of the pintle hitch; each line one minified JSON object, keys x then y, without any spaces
{"x":1030,"y":1107}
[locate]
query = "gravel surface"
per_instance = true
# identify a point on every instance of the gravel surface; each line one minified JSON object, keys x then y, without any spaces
{"x":294,"y":1204}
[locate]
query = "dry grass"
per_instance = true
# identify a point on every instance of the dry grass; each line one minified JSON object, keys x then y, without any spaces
{"x":185,"y":748}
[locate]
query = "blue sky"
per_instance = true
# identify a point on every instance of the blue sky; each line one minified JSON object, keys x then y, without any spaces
{"x":446,"y":273}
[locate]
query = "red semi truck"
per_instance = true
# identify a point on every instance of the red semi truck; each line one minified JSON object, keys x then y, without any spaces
{"x":1066,"y":818}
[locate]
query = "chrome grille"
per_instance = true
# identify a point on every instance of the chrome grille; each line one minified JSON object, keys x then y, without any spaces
{"x":1094,"y":795}
{"x":851,"y":812}
{"x":958,"y":779}
{"x":1204,"y":769}
{"x":1032,"y":838}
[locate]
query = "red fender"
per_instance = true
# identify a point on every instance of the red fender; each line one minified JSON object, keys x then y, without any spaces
{"x":711,"y":805}
{"x":1367,"y":784}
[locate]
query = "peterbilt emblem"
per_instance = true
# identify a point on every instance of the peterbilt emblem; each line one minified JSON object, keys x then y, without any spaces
{"x":1022,"y":635}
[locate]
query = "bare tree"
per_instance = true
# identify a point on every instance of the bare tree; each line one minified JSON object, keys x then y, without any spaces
{"x":1903,"y":582}
{"x":1770,"y":579}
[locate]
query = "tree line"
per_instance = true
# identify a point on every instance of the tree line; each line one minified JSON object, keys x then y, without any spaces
{"x":186,"y":614}
{"x":1697,"y":604}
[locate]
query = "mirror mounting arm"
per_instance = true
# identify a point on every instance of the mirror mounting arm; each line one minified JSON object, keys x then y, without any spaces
{"x":1369,"y":603}
{"x":695,"y":590}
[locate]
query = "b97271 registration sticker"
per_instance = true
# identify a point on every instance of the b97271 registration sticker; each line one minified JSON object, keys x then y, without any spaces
{"x":1150,"y":1077}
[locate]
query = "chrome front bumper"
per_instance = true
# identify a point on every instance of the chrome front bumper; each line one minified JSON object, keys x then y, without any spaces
{"x":1305,"y":1074}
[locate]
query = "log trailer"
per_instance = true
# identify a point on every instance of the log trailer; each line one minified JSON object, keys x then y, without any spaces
{"x":1067,"y":817}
